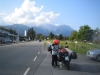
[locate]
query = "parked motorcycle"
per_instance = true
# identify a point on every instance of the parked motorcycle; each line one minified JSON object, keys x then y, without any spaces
{"x":65,"y":58}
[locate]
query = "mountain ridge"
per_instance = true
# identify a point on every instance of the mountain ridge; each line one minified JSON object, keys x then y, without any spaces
{"x":65,"y":30}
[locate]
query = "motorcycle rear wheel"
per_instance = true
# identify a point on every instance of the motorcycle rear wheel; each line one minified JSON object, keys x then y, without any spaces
{"x":68,"y":65}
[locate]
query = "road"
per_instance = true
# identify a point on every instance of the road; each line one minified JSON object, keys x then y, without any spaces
{"x":30,"y":58}
{"x":80,"y":66}
{"x":21,"y":58}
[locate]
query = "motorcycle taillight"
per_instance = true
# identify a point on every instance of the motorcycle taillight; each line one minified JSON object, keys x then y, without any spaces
{"x":58,"y":58}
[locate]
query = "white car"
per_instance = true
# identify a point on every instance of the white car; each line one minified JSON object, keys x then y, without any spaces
{"x":94,"y":54}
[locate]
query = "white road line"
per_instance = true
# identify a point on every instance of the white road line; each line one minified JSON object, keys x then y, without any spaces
{"x":26,"y":71}
{"x":35,"y":58}
{"x":39,"y":52}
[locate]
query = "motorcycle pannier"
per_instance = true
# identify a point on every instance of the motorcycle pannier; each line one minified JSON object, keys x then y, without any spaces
{"x":74,"y":55}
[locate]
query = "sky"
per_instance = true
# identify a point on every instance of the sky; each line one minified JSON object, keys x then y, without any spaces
{"x":75,"y":13}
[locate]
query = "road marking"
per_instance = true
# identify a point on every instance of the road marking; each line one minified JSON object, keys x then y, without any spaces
{"x":26,"y":71}
{"x":35,"y":58}
{"x":39,"y":52}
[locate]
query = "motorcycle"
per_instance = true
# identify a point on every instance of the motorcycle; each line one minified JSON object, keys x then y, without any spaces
{"x":64,"y":58}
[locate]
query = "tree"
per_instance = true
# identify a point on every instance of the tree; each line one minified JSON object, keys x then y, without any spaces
{"x":96,"y":35}
{"x":55,"y":36}
{"x":31,"y":33}
{"x":85,"y":33}
{"x":74,"y":35}
{"x":51,"y":35}
{"x":9,"y":30}
{"x":60,"y":37}
{"x":40,"y":36}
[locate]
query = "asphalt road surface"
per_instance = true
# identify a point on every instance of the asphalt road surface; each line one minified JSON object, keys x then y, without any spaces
{"x":21,"y":58}
{"x":25,"y":59}
{"x":80,"y":66}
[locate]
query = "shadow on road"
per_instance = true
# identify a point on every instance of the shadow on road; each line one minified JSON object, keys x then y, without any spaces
{"x":90,"y":68}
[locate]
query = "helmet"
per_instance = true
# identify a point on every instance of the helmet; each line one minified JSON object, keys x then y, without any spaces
{"x":56,"y":41}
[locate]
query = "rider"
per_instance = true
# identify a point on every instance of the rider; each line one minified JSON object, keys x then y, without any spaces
{"x":55,"y":50}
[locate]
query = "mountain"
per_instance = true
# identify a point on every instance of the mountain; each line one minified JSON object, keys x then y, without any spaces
{"x":49,"y":27}
{"x":39,"y":30}
{"x":65,"y":30}
{"x":20,"y":29}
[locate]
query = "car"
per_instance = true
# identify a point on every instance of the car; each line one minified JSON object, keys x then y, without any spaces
{"x":40,"y":40}
{"x":94,"y":54}
{"x":7,"y":40}
{"x":1,"y":40}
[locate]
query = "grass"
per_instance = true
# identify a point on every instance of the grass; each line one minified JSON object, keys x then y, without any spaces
{"x":82,"y":48}
{"x":79,"y":47}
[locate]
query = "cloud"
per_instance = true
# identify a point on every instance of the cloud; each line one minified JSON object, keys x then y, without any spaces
{"x":57,"y":24}
{"x":2,"y":15}
{"x":28,"y":13}
{"x":45,"y":17}
{"x":63,"y":24}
